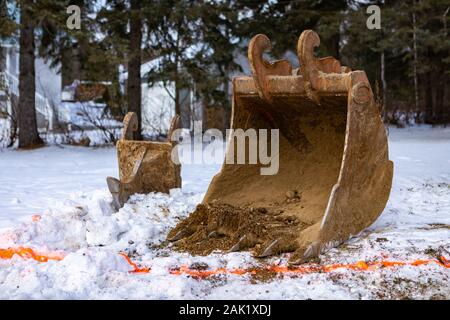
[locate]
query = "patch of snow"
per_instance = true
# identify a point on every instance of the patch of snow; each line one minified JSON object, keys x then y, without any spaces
{"x":36,"y":180}
{"x":414,"y":225}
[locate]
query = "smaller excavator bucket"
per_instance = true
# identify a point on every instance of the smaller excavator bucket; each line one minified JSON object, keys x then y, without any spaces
{"x":334,"y":174}
{"x":144,"y":166}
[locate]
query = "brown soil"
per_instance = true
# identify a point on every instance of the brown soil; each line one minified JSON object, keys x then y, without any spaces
{"x":221,"y":226}
{"x":262,"y":275}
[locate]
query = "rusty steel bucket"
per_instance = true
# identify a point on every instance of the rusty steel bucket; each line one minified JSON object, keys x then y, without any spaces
{"x":144,"y":166}
{"x":334,"y":175}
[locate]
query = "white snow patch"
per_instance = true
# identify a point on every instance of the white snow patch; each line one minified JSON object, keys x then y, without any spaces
{"x":415,"y":224}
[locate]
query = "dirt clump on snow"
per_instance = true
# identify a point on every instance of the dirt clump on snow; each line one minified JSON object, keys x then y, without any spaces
{"x":262,"y":275}
{"x":229,"y":228}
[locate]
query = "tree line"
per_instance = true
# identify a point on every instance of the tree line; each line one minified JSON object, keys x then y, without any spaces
{"x":197,"y":42}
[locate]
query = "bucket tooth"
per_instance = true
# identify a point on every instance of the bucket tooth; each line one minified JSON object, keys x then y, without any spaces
{"x":238,"y":246}
{"x":332,"y":150}
{"x":270,"y":249}
{"x":180,"y":235}
{"x":114,"y":188}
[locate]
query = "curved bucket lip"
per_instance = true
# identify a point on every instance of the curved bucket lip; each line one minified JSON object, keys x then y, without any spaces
{"x":285,"y":86}
{"x":146,"y":143}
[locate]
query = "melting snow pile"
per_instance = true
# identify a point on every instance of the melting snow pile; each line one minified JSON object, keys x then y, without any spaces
{"x":90,"y":236}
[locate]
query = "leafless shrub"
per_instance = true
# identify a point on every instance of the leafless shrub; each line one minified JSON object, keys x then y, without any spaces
{"x":100,"y":121}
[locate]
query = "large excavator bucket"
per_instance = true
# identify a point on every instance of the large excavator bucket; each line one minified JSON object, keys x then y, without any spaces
{"x":334,"y":174}
{"x":144,"y":166}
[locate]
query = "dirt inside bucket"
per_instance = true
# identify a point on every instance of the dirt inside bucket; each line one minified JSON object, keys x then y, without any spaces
{"x":219,"y":226}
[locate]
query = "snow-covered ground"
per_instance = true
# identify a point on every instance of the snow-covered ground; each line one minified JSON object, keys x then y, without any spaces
{"x":66,"y":187}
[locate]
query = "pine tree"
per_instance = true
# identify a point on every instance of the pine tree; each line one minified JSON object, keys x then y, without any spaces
{"x":122,"y":23}
{"x":177,"y":39}
{"x":134,"y":92}
{"x":7,"y":24}
{"x":433,"y":61}
{"x":28,"y":133}
{"x":219,"y":28}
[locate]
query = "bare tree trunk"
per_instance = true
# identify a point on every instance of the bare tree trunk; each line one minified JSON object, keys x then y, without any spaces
{"x":227,"y":107}
{"x":444,"y":20}
{"x":416,"y":82}
{"x":134,"y":65}
{"x":445,"y":106}
{"x":177,"y":89}
{"x":384,"y":86}
{"x":440,"y":109}
{"x":28,"y":134}
{"x":429,"y":112}
{"x":176,"y":80}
